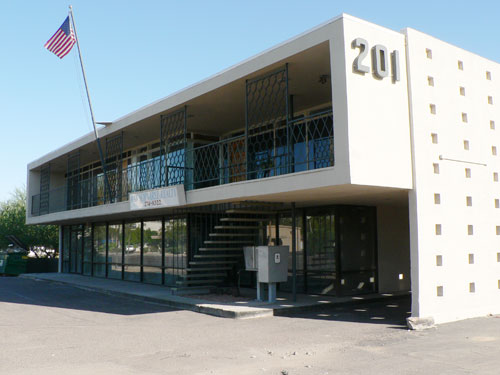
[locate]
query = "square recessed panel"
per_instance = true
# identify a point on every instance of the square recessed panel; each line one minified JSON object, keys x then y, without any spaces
{"x":472,"y":287}
{"x":439,"y":260}
{"x":437,"y":199}
{"x":439,"y":291}
{"x":471,"y":258}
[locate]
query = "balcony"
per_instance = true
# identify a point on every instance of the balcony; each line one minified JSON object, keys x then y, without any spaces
{"x":304,"y":143}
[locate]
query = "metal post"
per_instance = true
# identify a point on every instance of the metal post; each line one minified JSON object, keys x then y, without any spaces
{"x":294,"y":255}
{"x":163,"y":250}
{"x":59,"y":263}
{"x":288,"y":158}
{"x":106,"y":182}
{"x":246,"y":130}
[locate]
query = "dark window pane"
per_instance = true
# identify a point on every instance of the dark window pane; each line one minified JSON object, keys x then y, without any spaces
{"x":152,"y":275}
{"x":87,"y":269}
{"x":152,"y":243}
{"x":87,"y":244}
{"x":100,"y":243}
{"x":99,"y":270}
{"x":132,"y":273}
{"x":115,"y":243}
{"x":114,"y":271}
{"x":133,"y":243}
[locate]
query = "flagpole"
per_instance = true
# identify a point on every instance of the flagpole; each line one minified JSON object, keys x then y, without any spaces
{"x":106,"y":181}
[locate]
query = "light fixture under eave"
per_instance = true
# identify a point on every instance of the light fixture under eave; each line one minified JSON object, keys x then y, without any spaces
{"x":323,"y":78}
{"x":105,"y":123}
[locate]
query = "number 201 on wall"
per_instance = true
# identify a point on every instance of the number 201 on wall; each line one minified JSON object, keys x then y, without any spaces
{"x":380,"y":60}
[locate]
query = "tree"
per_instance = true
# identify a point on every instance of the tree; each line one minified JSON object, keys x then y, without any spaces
{"x":13,"y":222}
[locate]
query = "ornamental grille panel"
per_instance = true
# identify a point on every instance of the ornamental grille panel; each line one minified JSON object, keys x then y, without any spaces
{"x":114,"y":166}
{"x":44,"y":189}
{"x":217,"y":163}
{"x":266,"y":124}
{"x":73,"y":181}
{"x":172,"y":148}
{"x":311,"y":142}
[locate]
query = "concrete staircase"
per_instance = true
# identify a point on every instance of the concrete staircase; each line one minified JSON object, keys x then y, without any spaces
{"x":216,"y":263}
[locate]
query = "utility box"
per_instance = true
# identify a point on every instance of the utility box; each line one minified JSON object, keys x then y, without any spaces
{"x":271,"y":265}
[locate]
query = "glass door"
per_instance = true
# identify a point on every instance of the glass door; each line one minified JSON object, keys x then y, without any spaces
{"x":321,"y":249}
{"x":357,"y":249}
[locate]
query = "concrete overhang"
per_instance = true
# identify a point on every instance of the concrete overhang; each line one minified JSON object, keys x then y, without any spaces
{"x":309,"y":188}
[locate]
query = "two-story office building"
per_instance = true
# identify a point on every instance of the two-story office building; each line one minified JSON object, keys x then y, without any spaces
{"x":375,"y":150}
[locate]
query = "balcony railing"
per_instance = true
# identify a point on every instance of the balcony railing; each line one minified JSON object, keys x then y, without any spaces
{"x":300,"y":144}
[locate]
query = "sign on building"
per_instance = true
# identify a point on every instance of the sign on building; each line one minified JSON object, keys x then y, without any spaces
{"x":165,"y":197}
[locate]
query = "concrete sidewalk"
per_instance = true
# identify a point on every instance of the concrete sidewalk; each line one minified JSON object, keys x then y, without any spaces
{"x":241,"y":307}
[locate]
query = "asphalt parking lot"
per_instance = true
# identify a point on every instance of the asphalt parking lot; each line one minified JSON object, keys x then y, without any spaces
{"x":48,"y":328}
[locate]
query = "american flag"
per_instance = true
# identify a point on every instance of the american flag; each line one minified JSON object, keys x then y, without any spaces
{"x":62,"y":41}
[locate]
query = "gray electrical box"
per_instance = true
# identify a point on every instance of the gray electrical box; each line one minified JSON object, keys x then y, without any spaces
{"x":270,"y":262}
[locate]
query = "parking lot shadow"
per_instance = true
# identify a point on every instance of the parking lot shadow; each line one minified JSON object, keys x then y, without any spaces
{"x":42,"y":293}
{"x":392,"y":312}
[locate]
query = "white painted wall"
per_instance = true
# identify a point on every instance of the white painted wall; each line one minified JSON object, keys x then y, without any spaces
{"x":377,"y":111}
{"x":454,"y":244}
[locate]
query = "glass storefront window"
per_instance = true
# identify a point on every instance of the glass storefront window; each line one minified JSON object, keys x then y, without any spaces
{"x":132,"y":245}
{"x":115,"y":251}
{"x":87,"y":250}
{"x":100,"y":250}
{"x":321,"y":251}
{"x":65,"y":248}
{"x":152,"y":251}
{"x":175,"y":237}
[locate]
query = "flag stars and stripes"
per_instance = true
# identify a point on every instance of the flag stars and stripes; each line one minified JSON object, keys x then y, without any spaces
{"x":62,"y":41}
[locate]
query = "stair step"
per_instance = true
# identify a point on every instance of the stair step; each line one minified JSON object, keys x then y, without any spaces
{"x":204,"y":262}
{"x":244,"y":219}
{"x":238,"y":227}
{"x":220,"y":248}
{"x":211,"y":274}
{"x":203,"y":269}
{"x":197,"y":282}
{"x":221,"y":242}
{"x":232,"y":234}
{"x":245,"y":211}
{"x":210,"y":256}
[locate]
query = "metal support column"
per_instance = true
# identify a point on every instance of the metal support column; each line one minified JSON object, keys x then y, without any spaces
{"x":294,"y":255}
{"x":59,"y":263}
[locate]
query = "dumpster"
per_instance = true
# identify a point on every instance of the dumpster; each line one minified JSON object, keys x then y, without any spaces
{"x":13,"y":263}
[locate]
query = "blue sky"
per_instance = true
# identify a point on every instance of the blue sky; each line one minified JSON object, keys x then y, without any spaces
{"x":137,"y":52}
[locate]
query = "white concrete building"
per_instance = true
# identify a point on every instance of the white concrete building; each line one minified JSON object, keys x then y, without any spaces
{"x":381,"y":144}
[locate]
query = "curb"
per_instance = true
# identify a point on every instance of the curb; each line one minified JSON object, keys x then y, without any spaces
{"x":202,"y":308}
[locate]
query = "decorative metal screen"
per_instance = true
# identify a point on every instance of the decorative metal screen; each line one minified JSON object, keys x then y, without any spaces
{"x":44,"y":189}
{"x":114,"y":156}
{"x":173,"y":147}
{"x":266,"y":124}
{"x":73,"y":181}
